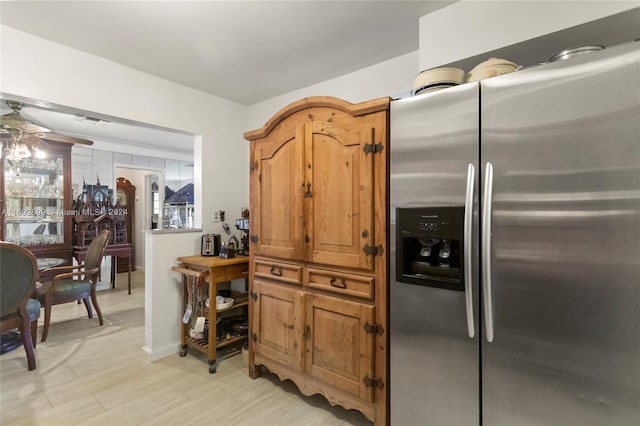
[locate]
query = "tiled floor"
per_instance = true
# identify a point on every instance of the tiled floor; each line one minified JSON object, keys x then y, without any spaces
{"x":92,"y":375}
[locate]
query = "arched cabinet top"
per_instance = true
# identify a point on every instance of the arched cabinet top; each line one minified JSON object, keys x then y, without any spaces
{"x":361,"y":108}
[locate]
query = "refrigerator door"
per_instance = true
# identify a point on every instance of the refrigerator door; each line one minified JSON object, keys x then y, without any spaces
{"x":563,"y":141}
{"x":434,"y":364}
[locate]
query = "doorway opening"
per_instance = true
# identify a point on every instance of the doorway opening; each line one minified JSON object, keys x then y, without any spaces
{"x":143,"y":219}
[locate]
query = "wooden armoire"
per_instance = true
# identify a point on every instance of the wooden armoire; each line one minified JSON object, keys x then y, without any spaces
{"x":318,"y":250}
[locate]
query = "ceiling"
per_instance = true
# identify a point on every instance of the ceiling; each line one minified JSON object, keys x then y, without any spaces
{"x":243,"y":51}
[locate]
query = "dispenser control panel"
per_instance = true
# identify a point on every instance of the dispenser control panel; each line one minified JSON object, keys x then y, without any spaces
{"x":429,"y":242}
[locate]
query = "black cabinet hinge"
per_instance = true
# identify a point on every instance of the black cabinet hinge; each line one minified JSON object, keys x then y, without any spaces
{"x":374,"y":148}
{"x":254,"y":337}
{"x":373,"y":328}
{"x":254,"y":239}
{"x":373,"y":250}
{"x":253,"y":295}
{"x":373,"y":383}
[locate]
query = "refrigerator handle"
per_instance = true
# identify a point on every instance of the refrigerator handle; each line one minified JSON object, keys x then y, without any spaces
{"x":487,"y":210}
{"x":468,"y":244}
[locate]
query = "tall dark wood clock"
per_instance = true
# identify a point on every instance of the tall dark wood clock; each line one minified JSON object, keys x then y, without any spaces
{"x":126,"y":196}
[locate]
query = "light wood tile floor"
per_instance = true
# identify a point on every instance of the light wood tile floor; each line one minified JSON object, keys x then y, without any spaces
{"x":92,"y":375}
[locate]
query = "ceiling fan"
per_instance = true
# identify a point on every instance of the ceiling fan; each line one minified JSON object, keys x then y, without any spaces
{"x":21,"y":138}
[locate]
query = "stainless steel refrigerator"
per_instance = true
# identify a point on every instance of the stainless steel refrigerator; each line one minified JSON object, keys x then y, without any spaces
{"x":515,"y":252}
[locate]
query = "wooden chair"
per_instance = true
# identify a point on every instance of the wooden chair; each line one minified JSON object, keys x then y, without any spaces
{"x":18,"y":275}
{"x":80,"y":284}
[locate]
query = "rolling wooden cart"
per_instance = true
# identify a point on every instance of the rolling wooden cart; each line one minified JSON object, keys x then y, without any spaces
{"x":198,"y":272}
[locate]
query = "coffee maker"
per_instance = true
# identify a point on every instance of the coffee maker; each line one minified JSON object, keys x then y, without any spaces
{"x":243,"y":225}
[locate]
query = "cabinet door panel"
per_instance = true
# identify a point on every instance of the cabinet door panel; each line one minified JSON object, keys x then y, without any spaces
{"x":340,"y":208}
{"x":338,"y":350}
{"x":276,"y":218}
{"x":277,"y":317}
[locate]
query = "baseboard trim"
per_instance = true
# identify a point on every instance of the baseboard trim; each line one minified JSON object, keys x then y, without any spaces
{"x":154,"y":355}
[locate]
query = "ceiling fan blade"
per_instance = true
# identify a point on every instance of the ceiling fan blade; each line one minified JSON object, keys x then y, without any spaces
{"x":14,"y":120}
{"x":31,"y":139}
{"x":66,"y":139}
{"x":43,"y":137}
{"x":13,"y":124}
{"x":34,"y":128}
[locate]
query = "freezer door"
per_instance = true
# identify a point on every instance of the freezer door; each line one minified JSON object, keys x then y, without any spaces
{"x":434,"y":364}
{"x":563,"y":141}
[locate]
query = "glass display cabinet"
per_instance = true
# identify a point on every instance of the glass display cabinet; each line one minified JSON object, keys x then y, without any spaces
{"x":36,"y":201}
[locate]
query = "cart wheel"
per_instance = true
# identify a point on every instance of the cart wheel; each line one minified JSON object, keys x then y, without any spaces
{"x":213,"y":367}
{"x":183,"y":352}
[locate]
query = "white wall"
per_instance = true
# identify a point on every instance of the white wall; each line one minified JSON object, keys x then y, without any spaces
{"x":36,"y":68}
{"x":388,"y":78}
{"x":471,"y":27}
{"x":163,"y":291}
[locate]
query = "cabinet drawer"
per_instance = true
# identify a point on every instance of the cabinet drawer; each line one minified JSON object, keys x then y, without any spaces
{"x":339,"y":282}
{"x":234,"y":272}
{"x":277,"y":271}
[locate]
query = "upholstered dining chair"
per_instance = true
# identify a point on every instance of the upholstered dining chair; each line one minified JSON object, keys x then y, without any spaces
{"x":18,"y":275}
{"x":78,"y":284}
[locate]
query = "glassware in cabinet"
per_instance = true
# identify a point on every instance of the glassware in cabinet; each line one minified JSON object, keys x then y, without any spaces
{"x":36,"y":201}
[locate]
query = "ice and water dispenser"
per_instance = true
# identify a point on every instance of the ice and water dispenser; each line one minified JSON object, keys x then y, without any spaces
{"x":429,"y":242}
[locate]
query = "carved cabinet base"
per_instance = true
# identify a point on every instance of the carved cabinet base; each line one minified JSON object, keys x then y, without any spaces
{"x":310,"y":386}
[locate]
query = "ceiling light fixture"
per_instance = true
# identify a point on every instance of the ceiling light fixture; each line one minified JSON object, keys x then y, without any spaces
{"x":20,"y":145}
{"x":20,"y":137}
